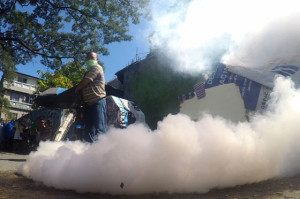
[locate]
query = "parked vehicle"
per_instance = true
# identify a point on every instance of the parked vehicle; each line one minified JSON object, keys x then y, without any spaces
{"x":65,"y":112}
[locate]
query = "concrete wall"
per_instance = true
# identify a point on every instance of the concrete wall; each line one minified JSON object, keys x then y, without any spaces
{"x":21,"y":89}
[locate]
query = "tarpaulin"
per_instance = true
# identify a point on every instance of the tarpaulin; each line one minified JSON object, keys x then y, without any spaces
{"x":255,"y":85}
{"x":121,"y":112}
{"x":266,"y":77}
{"x":249,"y":89}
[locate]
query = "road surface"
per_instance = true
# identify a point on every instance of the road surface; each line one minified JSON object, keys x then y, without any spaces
{"x":14,"y":186}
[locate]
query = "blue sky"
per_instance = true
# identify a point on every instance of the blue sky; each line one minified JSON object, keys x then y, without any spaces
{"x":193,"y":32}
{"x":121,"y":53}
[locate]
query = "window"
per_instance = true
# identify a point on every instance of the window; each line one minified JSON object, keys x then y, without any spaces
{"x":23,"y":80}
{"x":15,"y":116}
{"x":14,"y":97}
{"x":30,"y":100}
{"x":27,"y":99}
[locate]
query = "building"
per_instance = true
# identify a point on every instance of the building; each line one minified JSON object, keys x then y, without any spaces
{"x":19,"y":93}
{"x":154,"y":85}
{"x":130,"y":72}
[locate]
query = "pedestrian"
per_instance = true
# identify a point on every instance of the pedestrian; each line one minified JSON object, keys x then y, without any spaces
{"x":27,"y":122}
{"x":1,"y":137}
{"x":17,"y":142}
{"x":40,"y":127}
{"x":32,"y":136}
{"x":92,"y":89}
{"x":9,"y":135}
{"x":47,"y":131}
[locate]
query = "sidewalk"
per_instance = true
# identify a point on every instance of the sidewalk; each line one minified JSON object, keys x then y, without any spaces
{"x":11,"y":161}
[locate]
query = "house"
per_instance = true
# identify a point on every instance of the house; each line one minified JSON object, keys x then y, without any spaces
{"x":19,"y":93}
{"x":127,"y":74}
{"x":154,"y":85}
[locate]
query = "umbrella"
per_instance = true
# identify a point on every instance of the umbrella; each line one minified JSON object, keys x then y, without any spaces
{"x":66,"y":98}
{"x":57,"y":98}
{"x":53,"y":91}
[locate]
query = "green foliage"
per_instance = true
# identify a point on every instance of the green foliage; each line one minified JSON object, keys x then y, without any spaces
{"x":66,"y":77}
{"x":7,"y":67}
{"x":61,"y":31}
{"x":5,"y":107}
{"x":53,"y":80}
{"x":156,"y":92}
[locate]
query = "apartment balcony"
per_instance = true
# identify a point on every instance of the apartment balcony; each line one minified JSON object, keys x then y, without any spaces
{"x":21,"y":105}
{"x":19,"y":86}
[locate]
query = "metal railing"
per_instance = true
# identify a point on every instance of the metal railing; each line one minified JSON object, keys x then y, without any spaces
{"x":20,"y":105}
{"x":21,"y":85}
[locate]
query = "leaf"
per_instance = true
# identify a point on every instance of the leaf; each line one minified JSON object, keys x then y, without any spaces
{"x":62,"y":31}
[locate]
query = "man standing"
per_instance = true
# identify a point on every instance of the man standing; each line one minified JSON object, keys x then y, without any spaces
{"x":93,"y":93}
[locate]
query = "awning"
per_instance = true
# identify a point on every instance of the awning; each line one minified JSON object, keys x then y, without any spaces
{"x":57,"y":98}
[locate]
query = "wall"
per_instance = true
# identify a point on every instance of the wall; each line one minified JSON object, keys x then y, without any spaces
{"x":19,"y":89}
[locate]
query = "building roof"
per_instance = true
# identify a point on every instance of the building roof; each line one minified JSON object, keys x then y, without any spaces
{"x":133,"y":65}
{"x":27,"y":75}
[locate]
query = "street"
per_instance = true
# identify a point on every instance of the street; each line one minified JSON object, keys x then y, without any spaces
{"x":11,"y":161}
{"x":13,"y":185}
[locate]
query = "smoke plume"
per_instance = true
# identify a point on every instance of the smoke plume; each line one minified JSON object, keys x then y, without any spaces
{"x":254,"y":33}
{"x":180,"y":156}
{"x":195,"y":156}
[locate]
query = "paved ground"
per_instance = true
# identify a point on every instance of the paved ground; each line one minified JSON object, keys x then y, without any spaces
{"x":11,"y":161}
{"x":14,"y":186}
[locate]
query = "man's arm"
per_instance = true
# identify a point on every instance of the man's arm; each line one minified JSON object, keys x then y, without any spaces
{"x":84,"y":82}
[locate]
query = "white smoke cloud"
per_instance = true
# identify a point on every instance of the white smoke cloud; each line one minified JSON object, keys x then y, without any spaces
{"x":180,"y":156}
{"x":278,"y":43}
{"x":195,"y":156}
{"x":253,"y":33}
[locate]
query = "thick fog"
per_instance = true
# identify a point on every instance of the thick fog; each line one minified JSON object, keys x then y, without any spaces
{"x":195,"y":156}
{"x":180,"y":156}
{"x":250,"y":33}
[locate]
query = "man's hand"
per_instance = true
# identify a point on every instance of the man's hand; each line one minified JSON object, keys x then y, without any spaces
{"x":76,"y":90}
{"x":84,"y":82}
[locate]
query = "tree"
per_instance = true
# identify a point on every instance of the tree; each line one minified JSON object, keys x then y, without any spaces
{"x":67,"y":76}
{"x":5,"y":107}
{"x":156,"y":91}
{"x":7,"y":67}
{"x":63,"y":31}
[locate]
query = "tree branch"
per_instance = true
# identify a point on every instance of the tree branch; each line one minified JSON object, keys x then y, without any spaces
{"x":32,"y":50}
{"x":22,"y":4}
{"x":78,"y":10}
{"x":23,"y":43}
{"x":4,"y":11}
